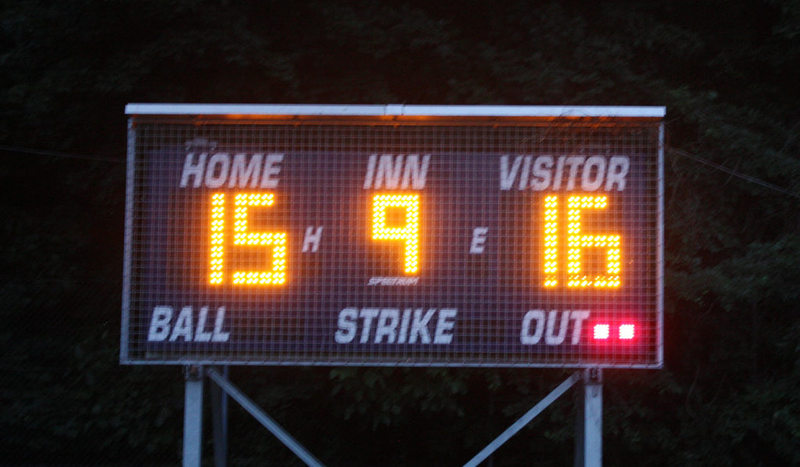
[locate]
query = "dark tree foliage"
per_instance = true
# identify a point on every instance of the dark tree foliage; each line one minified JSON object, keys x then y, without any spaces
{"x":726,"y":70}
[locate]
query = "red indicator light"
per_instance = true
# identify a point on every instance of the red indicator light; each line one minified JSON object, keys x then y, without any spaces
{"x":601,"y":331}
{"x":626,"y":331}
{"x":614,"y":331}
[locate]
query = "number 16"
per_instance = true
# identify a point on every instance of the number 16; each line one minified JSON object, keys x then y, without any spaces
{"x":576,"y":242}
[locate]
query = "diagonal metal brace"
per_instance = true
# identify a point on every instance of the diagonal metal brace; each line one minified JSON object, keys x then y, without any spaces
{"x":524,"y":420}
{"x":263,"y":418}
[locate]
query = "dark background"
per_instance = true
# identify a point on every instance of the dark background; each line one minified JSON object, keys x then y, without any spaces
{"x":727,"y":71}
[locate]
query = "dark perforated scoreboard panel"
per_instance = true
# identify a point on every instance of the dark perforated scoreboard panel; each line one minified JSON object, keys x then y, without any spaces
{"x":394,"y":235}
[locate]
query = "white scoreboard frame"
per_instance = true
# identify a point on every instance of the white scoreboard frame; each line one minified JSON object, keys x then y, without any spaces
{"x":297,"y":111}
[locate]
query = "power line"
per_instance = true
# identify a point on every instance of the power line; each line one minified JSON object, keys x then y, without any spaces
{"x":48,"y":153}
{"x":734,"y":173}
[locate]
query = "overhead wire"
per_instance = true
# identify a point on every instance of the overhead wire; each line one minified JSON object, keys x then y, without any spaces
{"x":44,"y":152}
{"x":734,"y":173}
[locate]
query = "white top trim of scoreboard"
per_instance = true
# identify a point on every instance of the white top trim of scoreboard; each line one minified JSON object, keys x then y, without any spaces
{"x":397,"y":110}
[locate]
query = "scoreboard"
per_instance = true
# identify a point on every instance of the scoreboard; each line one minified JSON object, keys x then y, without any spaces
{"x":393,"y":235}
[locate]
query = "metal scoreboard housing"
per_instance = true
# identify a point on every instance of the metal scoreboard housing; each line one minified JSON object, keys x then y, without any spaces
{"x":502,"y":236}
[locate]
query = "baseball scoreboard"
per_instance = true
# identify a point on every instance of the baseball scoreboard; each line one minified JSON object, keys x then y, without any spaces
{"x":393,"y":235}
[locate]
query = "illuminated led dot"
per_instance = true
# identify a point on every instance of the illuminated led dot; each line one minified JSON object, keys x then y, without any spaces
{"x":626,"y":331}
{"x":601,"y":331}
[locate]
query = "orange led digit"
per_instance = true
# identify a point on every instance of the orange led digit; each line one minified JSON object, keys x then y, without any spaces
{"x":241,"y":236}
{"x":408,"y":233}
{"x":550,"y":241}
{"x":216,"y":253}
{"x":577,"y":241}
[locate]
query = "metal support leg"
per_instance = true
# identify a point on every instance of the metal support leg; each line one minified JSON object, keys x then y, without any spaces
{"x":589,"y":425}
{"x":524,"y":420}
{"x":263,"y":418}
{"x":193,"y":417}
{"x":219,"y":421}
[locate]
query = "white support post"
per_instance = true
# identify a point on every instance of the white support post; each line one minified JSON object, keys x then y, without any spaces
{"x":589,"y":425}
{"x":193,"y":417}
